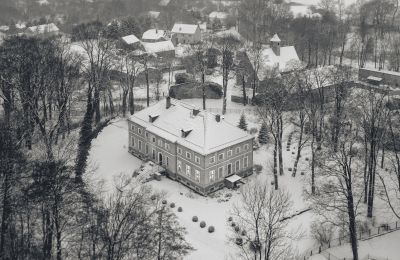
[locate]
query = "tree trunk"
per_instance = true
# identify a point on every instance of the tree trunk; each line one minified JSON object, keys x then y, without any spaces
{"x":203,"y":89}
{"x":280,"y":135}
{"x":244,"y":91}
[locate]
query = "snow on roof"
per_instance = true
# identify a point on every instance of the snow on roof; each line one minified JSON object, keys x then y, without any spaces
{"x":156,"y":47}
{"x":234,"y":178}
{"x":275,"y":38}
{"x":374,"y":78}
{"x":207,"y":135}
{"x":153,"y":34}
{"x":269,"y":60}
{"x":218,"y":15}
{"x":153,"y":14}
{"x":4,"y":28}
{"x":44,"y":28}
{"x":203,"y":26}
{"x":20,"y":25}
{"x":164,"y":2}
{"x":130,"y":39}
{"x":184,"y":28}
{"x":230,"y":32}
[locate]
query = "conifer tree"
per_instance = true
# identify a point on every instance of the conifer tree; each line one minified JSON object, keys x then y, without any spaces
{"x":242,"y":123}
{"x":263,"y":134}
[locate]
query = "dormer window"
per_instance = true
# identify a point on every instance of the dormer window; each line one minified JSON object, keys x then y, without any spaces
{"x":153,"y":117}
{"x":185,"y":132}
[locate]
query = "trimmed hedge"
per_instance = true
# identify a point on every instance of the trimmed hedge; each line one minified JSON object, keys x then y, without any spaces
{"x":195,"y":219}
{"x":203,"y":224}
{"x":194,"y":90}
{"x":211,"y":229}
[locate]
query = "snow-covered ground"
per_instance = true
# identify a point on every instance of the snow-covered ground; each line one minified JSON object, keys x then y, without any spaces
{"x":109,"y":157}
{"x":380,"y":248}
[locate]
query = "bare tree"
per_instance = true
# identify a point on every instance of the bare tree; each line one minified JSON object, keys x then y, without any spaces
{"x":261,"y":215}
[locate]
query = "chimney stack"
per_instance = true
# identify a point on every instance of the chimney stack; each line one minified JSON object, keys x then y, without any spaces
{"x":218,"y":118}
{"x":168,"y":105}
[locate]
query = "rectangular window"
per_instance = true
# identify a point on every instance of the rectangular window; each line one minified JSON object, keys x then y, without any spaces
{"x":132,"y":141}
{"x":229,"y":153}
{"x":154,"y":154}
{"x":153,"y":139}
{"x":167,"y":162}
{"x":237,"y":166}
{"x":197,"y":159}
{"x":212,"y":175}
{"x":132,"y":127}
{"x":237,"y":150}
{"x":147,"y":135}
{"x":197,"y":175}
{"x":160,"y":143}
{"x":220,"y":172}
{"x":245,"y":162}
{"x":139,"y":130}
{"x":220,"y":156}
{"x":188,"y":155}
{"x":179,"y":151}
{"x":188,"y":170}
{"x":246,"y":147}
{"x":229,"y":169}
{"x":179,"y":166}
{"x":140,"y":145}
{"x":166,"y":146}
{"x":212,"y":159}
{"x":147,"y":149}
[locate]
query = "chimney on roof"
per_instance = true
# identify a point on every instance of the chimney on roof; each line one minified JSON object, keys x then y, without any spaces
{"x":196,"y":112}
{"x":218,"y":118}
{"x":168,"y":104}
{"x":276,"y":45}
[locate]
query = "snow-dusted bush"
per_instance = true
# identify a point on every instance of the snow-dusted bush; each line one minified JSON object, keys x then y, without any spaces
{"x":211,"y":229}
{"x":164,"y":202}
{"x":195,"y":219}
{"x":172,"y":205}
{"x":153,"y":197}
{"x":202,"y":224}
{"x":244,"y":232}
{"x":253,"y":130}
{"x":257,"y":168}
{"x":230,"y":219}
{"x":237,"y":229}
{"x":290,"y":169}
{"x":180,"y":209}
{"x":233,"y":224}
{"x":239,"y":241}
{"x":322,"y":233}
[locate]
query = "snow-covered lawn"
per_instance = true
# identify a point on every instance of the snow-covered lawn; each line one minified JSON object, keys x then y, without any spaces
{"x":109,"y":157}
{"x":382,"y":247}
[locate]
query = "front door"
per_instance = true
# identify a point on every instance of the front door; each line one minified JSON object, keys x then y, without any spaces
{"x":160,"y":159}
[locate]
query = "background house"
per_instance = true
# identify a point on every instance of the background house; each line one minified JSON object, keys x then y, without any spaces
{"x":155,"y":35}
{"x":130,"y":42}
{"x":163,"y":49}
{"x":270,"y":58}
{"x":43,"y":30}
{"x":185,"y":33}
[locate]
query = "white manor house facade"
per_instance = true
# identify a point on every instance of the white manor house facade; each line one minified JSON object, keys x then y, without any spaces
{"x":195,"y":147}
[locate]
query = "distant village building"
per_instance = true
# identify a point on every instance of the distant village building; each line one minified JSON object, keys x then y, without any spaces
{"x":270,"y":58}
{"x":4,"y":28}
{"x":164,"y":3}
{"x":379,"y":77}
{"x":197,"y":148}
{"x":218,"y":16}
{"x":43,"y":29}
{"x":130,"y":42}
{"x":153,"y":15}
{"x":155,"y":35}
{"x":163,"y":49}
{"x":186,"y":33}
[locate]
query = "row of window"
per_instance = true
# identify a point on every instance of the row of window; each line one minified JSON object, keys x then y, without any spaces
{"x":160,"y":142}
{"x":188,"y":155}
{"x":221,"y":156}
{"x":212,"y":174}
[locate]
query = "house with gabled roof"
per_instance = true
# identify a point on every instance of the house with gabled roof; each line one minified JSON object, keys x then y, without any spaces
{"x":130,"y":42}
{"x":155,"y":35}
{"x":43,"y":29}
{"x":185,"y":33}
{"x":197,"y":148}
{"x":258,"y":65}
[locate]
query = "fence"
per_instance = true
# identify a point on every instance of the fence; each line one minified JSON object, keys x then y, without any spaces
{"x":362,"y":235}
